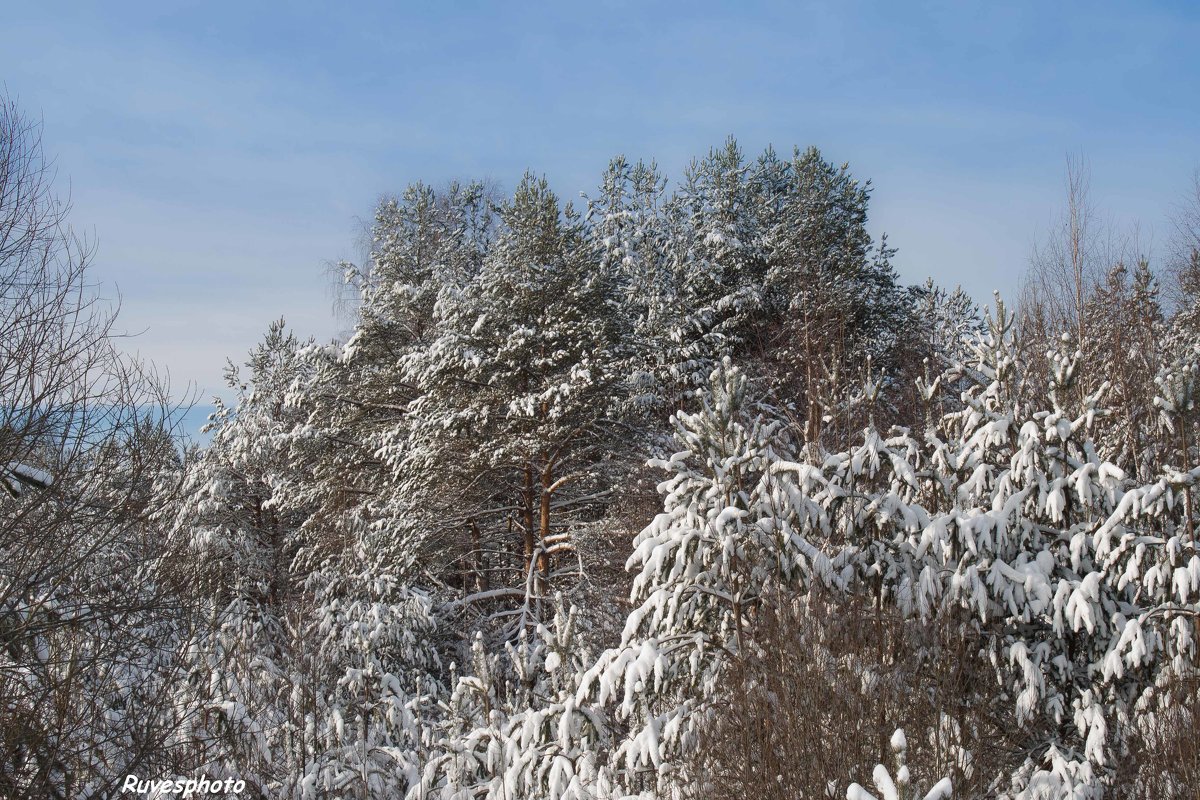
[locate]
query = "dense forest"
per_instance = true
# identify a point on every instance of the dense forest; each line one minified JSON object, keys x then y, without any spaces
{"x":675,"y":493}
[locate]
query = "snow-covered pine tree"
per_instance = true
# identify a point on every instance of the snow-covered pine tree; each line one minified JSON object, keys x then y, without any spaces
{"x":1178,"y":375}
{"x":731,"y":530}
{"x":1056,"y":556}
{"x":360,"y":709}
{"x":1015,"y":493}
{"x":310,"y":664}
{"x":1005,"y":517}
{"x":424,"y":243}
{"x":625,"y":226}
{"x":831,"y":295}
{"x":427,"y":248}
{"x":945,"y":325}
{"x":714,"y":254}
{"x":516,"y":434}
{"x":235,"y":492}
{"x":514,"y":728}
{"x":232,"y":545}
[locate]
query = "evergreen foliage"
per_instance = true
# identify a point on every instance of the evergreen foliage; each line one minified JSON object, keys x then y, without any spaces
{"x":390,"y":571}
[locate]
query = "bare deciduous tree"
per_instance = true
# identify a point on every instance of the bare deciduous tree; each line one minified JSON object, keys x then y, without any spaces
{"x":1184,"y":249}
{"x":86,"y":450}
{"x":1065,"y":266}
{"x":812,"y":704}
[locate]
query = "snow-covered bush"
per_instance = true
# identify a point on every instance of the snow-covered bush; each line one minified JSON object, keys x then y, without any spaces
{"x":512,"y":726}
{"x":898,"y":787}
{"x":1003,"y":517}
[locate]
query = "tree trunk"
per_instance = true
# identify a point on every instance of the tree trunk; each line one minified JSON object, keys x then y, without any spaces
{"x":544,"y":526}
{"x":527,"y":518}
{"x":481,"y":576}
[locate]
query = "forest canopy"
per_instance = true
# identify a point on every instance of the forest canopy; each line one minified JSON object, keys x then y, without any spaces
{"x":678,"y":493}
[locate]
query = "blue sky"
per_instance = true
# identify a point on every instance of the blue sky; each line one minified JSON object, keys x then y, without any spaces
{"x":224,"y":153}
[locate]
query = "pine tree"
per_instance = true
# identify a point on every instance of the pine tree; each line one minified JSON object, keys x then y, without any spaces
{"x":729,"y":533}
{"x":233,"y":543}
{"x":513,"y":727}
{"x":427,"y":249}
{"x":520,"y":399}
{"x":714,"y":253}
{"x":625,"y":228}
{"x":834,"y":295}
{"x":310,"y":662}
